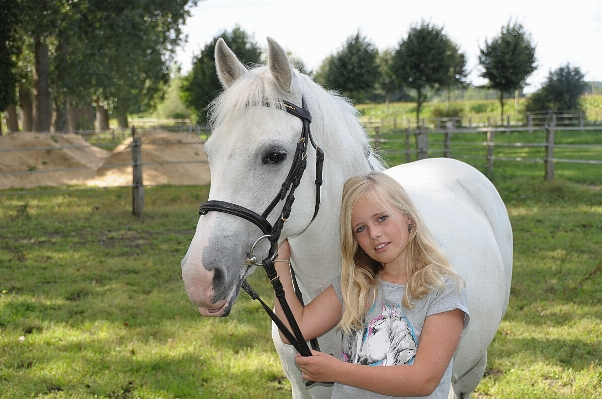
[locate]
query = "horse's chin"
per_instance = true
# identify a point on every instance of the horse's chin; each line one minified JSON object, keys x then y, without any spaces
{"x":221,"y":308}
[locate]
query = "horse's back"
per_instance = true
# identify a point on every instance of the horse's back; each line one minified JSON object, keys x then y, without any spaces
{"x":465,"y":213}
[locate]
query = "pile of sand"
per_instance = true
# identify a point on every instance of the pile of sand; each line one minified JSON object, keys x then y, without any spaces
{"x":36,"y":159}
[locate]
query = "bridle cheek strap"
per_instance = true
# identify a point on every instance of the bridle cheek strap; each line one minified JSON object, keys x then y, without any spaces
{"x":286,"y":193}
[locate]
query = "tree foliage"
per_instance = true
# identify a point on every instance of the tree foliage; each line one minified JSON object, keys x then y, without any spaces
{"x":202,"y":84}
{"x":427,"y":59}
{"x":561,"y":91}
{"x":171,"y":106}
{"x":386,"y":79}
{"x":353,"y":70}
{"x":116,"y":54}
{"x":130,"y":69}
{"x":456,"y":76}
{"x":508,"y":60}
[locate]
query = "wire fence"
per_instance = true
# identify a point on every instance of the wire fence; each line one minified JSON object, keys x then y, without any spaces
{"x":107,"y":139}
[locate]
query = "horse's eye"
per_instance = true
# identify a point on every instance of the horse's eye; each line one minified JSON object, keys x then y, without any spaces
{"x":274,"y":157}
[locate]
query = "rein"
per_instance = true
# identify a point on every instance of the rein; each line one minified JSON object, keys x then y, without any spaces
{"x":272,"y":233}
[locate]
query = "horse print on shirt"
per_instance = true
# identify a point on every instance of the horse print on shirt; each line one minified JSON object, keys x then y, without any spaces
{"x":387,"y":340}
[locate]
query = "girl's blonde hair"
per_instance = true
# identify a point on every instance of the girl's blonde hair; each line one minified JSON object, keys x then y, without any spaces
{"x":426,"y":263}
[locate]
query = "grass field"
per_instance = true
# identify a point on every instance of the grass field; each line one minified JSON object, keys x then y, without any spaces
{"x":477,"y":110}
{"x":92,"y":304}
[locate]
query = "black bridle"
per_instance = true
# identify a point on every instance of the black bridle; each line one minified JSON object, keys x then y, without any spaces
{"x":272,"y":233}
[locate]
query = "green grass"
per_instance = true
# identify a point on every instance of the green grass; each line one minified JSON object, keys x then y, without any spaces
{"x":92,"y":304}
{"x":550,"y":342}
{"x":477,"y":110}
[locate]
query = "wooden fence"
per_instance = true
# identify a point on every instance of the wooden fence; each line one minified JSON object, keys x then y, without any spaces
{"x":424,"y":147}
{"x":422,"y":139}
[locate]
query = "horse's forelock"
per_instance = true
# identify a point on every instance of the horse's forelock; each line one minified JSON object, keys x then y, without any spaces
{"x":334,"y":119}
{"x":254,"y":88}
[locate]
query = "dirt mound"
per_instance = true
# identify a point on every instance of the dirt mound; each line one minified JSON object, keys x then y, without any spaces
{"x":167,"y":158}
{"x":35,"y":159}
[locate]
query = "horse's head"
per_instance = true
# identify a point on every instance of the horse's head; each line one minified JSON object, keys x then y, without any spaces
{"x":250,"y":154}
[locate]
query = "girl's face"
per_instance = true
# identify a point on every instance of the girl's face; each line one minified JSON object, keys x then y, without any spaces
{"x":382,"y":232}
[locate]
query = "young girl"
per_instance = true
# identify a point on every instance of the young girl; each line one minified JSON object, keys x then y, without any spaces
{"x":398,"y":302}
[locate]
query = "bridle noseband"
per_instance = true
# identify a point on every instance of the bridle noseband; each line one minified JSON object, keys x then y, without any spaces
{"x":272,"y":233}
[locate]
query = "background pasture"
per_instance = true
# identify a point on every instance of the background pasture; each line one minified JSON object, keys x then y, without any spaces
{"x":92,"y":303}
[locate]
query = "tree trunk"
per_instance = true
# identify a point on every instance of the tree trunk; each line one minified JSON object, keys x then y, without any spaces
{"x":42,"y":109}
{"x":26,"y":105}
{"x":59,"y":119}
{"x":12,"y":120}
{"x":102,"y":118}
{"x":88,"y":117}
{"x":122,"y":116}
{"x":502,"y":106}
{"x":72,"y":115}
{"x":418,"y":105}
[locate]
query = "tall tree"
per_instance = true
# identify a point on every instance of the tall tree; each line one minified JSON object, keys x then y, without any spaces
{"x":8,"y":50}
{"x":353,"y":70}
{"x":117,"y":53}
{"x":40,"y":21}
{"x":423,"y":61}
{"x":202,"y":85}
{"x":130,"y":47}
{"x":561,"y":91}
{"x":386,"y":79}
{"x":456,"y":77}
{"x":508,"y":60}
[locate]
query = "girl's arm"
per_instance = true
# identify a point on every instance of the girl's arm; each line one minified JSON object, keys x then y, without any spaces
{"x":317,"y":317}
{"x":438,"y":341}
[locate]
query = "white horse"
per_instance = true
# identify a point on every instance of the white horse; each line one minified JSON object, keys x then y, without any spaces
{"x":250,"y":153}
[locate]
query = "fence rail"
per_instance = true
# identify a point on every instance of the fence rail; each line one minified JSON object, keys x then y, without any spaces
{"x":384,"y":145}
{"x":532,"y":120}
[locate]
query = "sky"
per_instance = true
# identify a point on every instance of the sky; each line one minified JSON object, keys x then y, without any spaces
{"x":562,"y":31}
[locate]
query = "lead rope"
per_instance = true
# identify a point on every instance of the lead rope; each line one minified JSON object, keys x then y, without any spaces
{"x":314,"y":341}
{"x":296,"y":336}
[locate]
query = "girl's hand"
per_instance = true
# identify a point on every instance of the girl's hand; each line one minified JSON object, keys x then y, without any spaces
{"x":319,"y":367}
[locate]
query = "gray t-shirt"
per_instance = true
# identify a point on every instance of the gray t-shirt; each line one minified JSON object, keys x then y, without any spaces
{"x":392,"y":332}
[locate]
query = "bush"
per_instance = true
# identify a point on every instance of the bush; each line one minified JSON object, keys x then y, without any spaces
{"x":453,"y":111}
{"x":561,"y":92}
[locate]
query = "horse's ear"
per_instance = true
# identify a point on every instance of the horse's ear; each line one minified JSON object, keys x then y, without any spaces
{"x":279,"y":65}
{"x":228,"y":67}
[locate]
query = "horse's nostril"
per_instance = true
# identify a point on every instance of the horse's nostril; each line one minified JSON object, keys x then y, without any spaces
{"x":219,"y":279}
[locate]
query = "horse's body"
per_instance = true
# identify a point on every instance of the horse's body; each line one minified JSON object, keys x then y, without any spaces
{"x":250,"y":153}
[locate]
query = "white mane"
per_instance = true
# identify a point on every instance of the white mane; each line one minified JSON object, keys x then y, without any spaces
{"x":335,"y":126}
